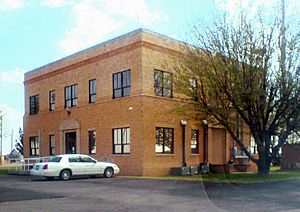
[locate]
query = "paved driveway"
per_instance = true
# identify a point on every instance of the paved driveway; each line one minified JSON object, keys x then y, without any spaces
{"x":26,"y":193}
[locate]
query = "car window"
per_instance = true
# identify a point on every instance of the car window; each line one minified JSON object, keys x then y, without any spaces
{"x":87,"y":159}
{"x":55,"y":159}
{"x":74,"y":159}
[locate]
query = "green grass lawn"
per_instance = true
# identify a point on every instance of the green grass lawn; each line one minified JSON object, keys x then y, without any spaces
{"x":4,"y":170}
{"x":275,"y":175}
{"x":249,"y":177}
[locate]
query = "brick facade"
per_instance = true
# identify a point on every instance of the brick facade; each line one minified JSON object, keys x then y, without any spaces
{"x":140,"y":52}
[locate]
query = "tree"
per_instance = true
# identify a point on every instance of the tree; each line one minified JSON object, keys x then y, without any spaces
{"x":246,"y":72}
{"x":19,"y":143}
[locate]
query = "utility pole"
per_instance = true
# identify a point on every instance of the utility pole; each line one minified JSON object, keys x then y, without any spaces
{"x":12,"y":140}
{"x":1,"y":136}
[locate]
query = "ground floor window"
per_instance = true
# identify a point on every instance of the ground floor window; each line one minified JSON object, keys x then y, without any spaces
{"x":92,"y":142}
{"x":164,"y":140}
{"x":121,"y":140}
{"x":195,"y":141}
{"x":34,"y":146}
{"x":52,"y":144}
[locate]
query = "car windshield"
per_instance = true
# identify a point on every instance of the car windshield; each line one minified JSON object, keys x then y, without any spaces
{"x":55,"y":159}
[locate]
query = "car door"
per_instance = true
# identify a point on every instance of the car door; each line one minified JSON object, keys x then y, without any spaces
{"x":91,"y":166}
{"x":76,"y":165}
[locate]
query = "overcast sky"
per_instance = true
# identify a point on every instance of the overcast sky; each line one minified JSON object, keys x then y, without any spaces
{"x":36,"y":32}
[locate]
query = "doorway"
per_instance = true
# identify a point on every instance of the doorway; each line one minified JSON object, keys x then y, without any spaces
{"x":70,"y":142}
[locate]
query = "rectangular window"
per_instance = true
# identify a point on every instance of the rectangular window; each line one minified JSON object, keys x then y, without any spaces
{"x":34,"y":146}
{"x":92,"y":91}
{"x":163,"y":83}
{"x":195,"y":142}
{"x":193,"y":89}
{"x":121,"y":84}
{"x":164,"y":140}
{"x":52,"y":144}
{"x":34,"y":105}
{"x":121,"y":141}
{"x":52,"y":100}
{"x":71,"y":96}
{"x":92,"y":142}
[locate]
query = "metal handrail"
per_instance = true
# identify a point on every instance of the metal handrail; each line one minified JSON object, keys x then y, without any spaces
{"x":239,"y":152}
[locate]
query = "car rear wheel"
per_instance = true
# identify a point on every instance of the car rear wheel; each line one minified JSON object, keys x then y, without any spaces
{"x":65,"y":174}
{"x":109,"y":172}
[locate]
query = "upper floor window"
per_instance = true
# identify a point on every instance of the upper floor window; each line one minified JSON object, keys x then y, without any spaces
{"x":121,"y":84}
{"x":193,"y":89}
{"x":52,"y":144}
{"x":34,"y":146}
{"x":164,"y":140}
{"x":92,"y":142}
{"x":121,"y":140}
{"x":71,"y":96}
{"x":52,"y":100}
{"x":92,"y":91}
{"x":195,"y":141}
{"x":34,"y":105}
{"x":163,"y":83}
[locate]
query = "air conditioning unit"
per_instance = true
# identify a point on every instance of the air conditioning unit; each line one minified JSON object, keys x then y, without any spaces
{"x":204,"y":168}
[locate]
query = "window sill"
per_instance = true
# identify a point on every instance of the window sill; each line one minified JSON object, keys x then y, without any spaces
{"x":33,"y":114}
{"x":164,"y":155}
{"x":195,"y":154}
{"x":165,"y":97}
{"x":118,"y":155}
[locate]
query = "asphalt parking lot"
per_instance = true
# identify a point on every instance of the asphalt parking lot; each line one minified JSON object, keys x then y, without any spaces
{"x":27,"y":193}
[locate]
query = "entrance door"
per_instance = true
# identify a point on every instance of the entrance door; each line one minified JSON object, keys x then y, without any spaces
{"x":218,"y":146}
{"x":71,"y":143}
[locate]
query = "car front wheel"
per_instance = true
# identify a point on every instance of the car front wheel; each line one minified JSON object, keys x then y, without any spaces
{"x":65,"y":174}
{"x":109,"y":172}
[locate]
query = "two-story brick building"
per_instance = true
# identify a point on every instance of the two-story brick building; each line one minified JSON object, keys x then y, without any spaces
{"x":115,"y":101}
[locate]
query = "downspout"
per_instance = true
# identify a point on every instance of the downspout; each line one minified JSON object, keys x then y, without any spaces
{"x":205,"y":129}
{"x":183,"y":124}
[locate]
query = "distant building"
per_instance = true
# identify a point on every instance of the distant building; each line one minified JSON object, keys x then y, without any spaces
{"x":290,"y":157}
{"x":115,"y":101}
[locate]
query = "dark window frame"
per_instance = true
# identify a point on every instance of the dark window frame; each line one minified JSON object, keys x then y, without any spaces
{"x":71,"y":95}
{"x":34,"y":105}
{"x":121,"y":83}
{"x":121,"y":143}
{"x":51,"y":147}
{"x":92,"y":143}
{"x":163,"y":86}
{"x":34,"y":150}
{"x":195,"y":141}
{"x":92,"y":90}
{"x":52,"y":100}
{"x":161,"y":141}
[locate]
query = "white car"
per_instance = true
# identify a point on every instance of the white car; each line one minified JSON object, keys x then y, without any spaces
{"x":68,"y":165}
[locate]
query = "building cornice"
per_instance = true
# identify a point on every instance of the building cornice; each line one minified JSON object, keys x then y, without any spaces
{"x":114,"y":52}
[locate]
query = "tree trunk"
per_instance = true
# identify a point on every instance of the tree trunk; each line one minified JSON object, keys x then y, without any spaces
{"x":264,"y":163}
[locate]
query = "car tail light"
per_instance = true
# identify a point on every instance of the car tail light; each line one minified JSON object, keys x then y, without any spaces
{"x":45,"y":166}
